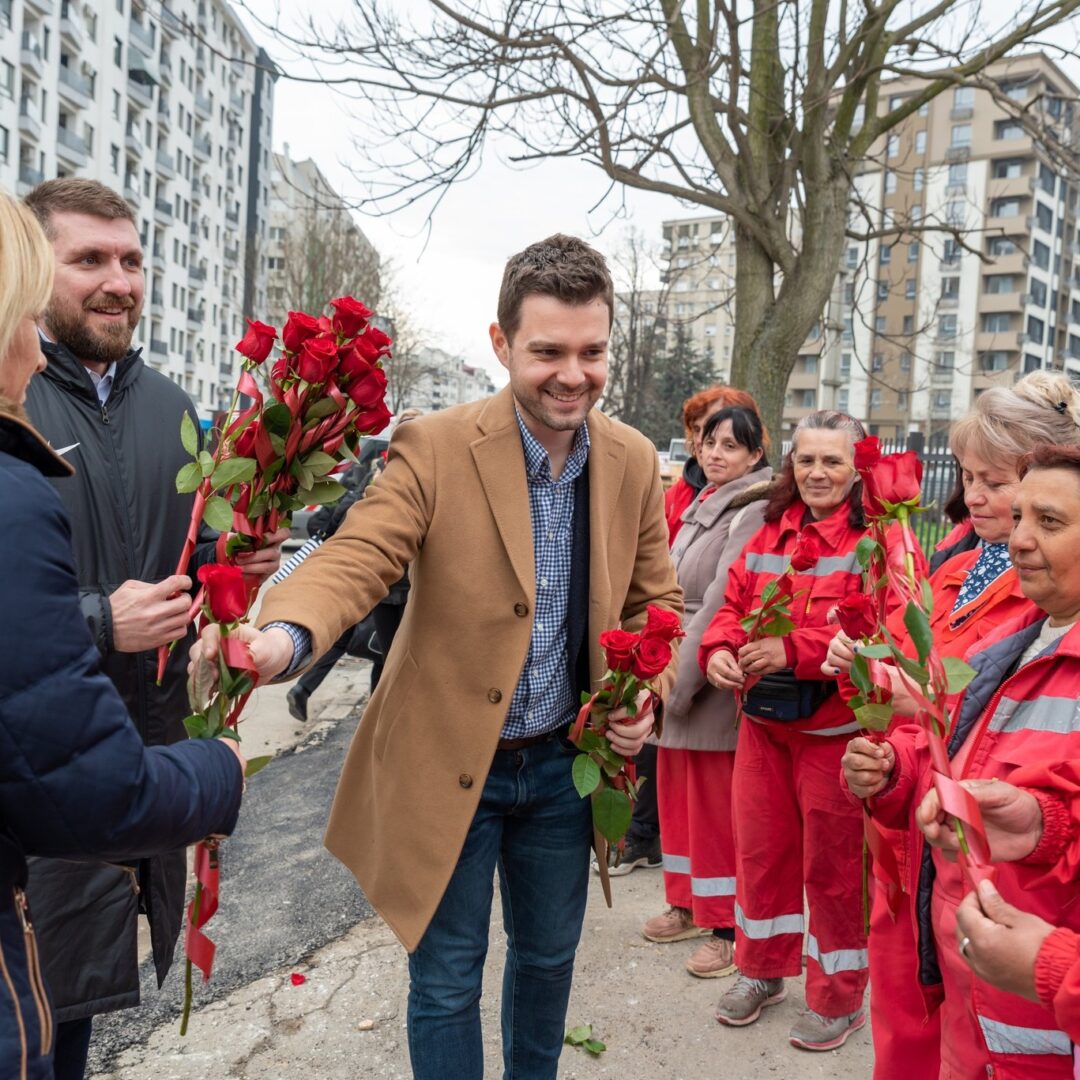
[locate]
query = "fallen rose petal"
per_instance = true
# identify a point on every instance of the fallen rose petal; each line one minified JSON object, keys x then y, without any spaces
{"x":297,"y":979}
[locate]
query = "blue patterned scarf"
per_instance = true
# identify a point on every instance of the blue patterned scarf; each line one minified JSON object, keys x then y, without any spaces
{"x":993,"y":561}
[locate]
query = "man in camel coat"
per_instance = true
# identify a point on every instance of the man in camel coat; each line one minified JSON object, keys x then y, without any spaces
{"x":531,"y":523}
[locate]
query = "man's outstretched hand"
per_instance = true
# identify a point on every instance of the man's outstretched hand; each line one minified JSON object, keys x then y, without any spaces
{"x":271,"y":650}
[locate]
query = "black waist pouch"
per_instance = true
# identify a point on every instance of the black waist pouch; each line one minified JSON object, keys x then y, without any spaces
{"x":780,"y":696}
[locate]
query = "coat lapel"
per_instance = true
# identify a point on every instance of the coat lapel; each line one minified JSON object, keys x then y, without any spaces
{"x":607,"y":465}
{"x":500,"y":463}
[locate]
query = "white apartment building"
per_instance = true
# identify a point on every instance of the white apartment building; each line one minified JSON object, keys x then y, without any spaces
{"x":447,"y":380}
{"x":172,"y":106}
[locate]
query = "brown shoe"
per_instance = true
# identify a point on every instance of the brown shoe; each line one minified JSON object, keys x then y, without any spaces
{"x":676,"y":924}
{"x":713,"y":960}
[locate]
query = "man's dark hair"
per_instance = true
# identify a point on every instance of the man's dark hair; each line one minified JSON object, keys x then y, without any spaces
{"x":560,"y":266}
{"x":74,"y":195}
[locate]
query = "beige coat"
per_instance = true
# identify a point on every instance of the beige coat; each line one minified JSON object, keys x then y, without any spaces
{"x":453,"y":503}
{"x":698,"y":716}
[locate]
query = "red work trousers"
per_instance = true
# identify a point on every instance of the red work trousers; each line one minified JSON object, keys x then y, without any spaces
{"x":907,"y":1043}
{"x":696,"y":831}
{"x":795,"y":830}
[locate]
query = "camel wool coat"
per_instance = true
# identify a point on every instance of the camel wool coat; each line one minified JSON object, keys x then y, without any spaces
{"x":453,"y":505}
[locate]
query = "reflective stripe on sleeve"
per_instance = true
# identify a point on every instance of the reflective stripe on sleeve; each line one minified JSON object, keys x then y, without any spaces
{"x":760,"y":929}
{"x":1010,"y":1039}
{"x":838,"y":959}
{"x":1058,"y":715}
{"x":761,"y":563}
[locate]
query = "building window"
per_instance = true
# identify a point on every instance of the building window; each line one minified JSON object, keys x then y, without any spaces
{"x":882,"y":291}
{"x":958,"y":173}
{"x":942,"y":399}
{"x":1004,"y":207}
{"x":1037,"y":289}
{"x":1008,"y":168}
{"x":918,"y":179}
{"x":909,"y":289}
{"x":885,"y":255}
{"x":901,"y":399}
{"x":920,"y":142}
{"x":946,"y":326}
{"x":879,"y":325}
{"x":845,"y":364}
{"x":945,"y":361}
{"x":1040,"y":255}
{"x":924,"y":109}
{"x":1035,"y":329}
{"x":1002,"y":245}
{"x":996,"y":322}
{"x":950,"y":288}
{"x":114,"y":157}
{"x":1046,"y":178}
{"x":7,"y":79}
{"x":961,"y":135}
{"x":909,"y":325}
{"x":875,"y":399}
{"x":905,"y":361}
{"x":5,"y":144}
{"x":950,"y":251}
{"x":1008,"y":129}
{"x":892,"y":146}
{"x":1044,"y":217}
{"x":842,"y":399}
{"x":878,"y":363}
{"x":995,"y":361}
{"x":890,"y":181}
{"x":913,"y":252}
{"x":118,"y":52}
{"x":963,"y":97}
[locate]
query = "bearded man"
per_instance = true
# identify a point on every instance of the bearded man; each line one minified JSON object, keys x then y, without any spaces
{"x":118,"y":422}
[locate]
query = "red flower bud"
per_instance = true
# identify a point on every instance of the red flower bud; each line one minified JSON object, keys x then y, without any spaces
{"x":867,"y":452}
{"x":257,"y":342}
{"x":619,"y":648}
{"x":229,"y":592}
{"x":350,"y":316}
{"x":893,"y":478}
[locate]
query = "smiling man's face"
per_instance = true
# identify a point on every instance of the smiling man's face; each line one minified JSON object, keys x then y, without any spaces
{"x":99,"y":286}
{"x":557,"y":361}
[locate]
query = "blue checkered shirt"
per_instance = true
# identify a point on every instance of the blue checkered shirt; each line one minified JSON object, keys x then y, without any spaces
{"x":544,"y":698}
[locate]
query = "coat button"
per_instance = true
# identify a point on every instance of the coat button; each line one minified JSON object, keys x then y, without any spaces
{"x":494,"y":695}
{"x":521,"y":610}
{"x":465,"y":780}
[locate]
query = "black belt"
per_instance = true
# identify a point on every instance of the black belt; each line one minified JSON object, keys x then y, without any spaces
{"x":528,"y":740}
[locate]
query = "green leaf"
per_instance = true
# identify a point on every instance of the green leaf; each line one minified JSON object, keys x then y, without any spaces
{"x":189,"y":436}
{"x":576,"y":1036}
{"x":875,"y":715}
{"x":318,"y":463}
{"x":196,"y":725}
{"x":326,"y":491}
{"x":206,"y":462}
{"x":875,"y":652}
{"x":916,"y":671}
{"x":594,"y":1046}
{"x":218,"y":513}
{"x":865,"y":550}
{"x":612,"y":811}
{"x":768,"y":592}
{"x":918,"y":628}
{"x":778,"y":626}
{"x":927,"y":597}
{"x":957,"y":674}
{"x":589,"y":741}
{"x":586,"y":775}
{"x":277,"y":420}
{"x":255,"y":764}
{"x":189,"y":478}
{"x":323,"y":407}
{"x":234,"y":470}
{"x":859,"y":674}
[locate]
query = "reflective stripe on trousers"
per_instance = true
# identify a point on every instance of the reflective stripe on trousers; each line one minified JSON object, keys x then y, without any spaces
{"x":714,"y":886}
{"x":1010,"y":1039}
{"x":839,"y":959}
{"x":761,"y":929}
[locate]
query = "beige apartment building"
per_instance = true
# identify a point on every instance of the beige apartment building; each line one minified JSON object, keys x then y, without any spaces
{"x":920,"y":322}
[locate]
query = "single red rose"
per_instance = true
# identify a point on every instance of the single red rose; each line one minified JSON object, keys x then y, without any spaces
{"x":893,"y":478}
{"x":867,"y":452}
{"x":317,"y":360}
{"x":297,"y":979}
{"x":662,"y":624}
{"x":299,"y":327}
{"x":653,"y":655}
{"x":228,"y":591}
{"x":369,"y":389}
{"x":806,"y":554}
{"x":258,"y":341}
{"x":368,"y":346}
{"x":352,"y":361}
{"x":350,"y":316}
{"x":857,"y":616}
{"x":619,"y":648}
{"x":376,"y":337}
{"x":373,"y":420}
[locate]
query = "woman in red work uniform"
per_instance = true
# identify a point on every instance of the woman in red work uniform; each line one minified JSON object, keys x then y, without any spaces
{"x":794,"y":827}
{"x":1018,"y":713}
{"x":975,"y":593}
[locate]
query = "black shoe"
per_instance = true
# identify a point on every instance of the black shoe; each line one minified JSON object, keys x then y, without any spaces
{"x":297,"y":700}
{"x":643,"y":853}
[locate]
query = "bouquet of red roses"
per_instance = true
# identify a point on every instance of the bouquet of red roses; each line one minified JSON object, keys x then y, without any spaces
{"x":280,"y":453}
{"x":633,"y":660}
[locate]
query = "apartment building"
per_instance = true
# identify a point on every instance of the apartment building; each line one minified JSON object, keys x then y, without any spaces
{"x":173,"y":107}
{"x":316,"y":250}
{"x":447,"y":380}
{"x":920,"y":322}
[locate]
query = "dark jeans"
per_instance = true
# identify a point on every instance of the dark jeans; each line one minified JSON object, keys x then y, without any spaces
{"x":645,"y":824}
{"x":533,"y":828}
{"x":72,"y":1049}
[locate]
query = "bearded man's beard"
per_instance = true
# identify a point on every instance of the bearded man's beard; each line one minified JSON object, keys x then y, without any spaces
{"x":95,"y":346}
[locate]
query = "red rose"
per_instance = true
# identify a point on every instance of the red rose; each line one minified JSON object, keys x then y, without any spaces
{"x":857,"y":616}
{"x":372,"y":344}
{"x":867,"y":452}
{"x":244,"y":446}
{"x":299,"y":327}
{"x":653,"y":655}
{"x":280,"y":371}
{"x":353,"y":362}
{"x":369,"y":388}
{"x":349,"y":316}
{"x":372,"y":421}
{"x":258,"y":341}
{"x":662,"y":624}
{"x":893,"y":478}
{"x":318,"y":359}
{"x":228,"y":592}
{"x":619,"y":647}
{"x":806,"y":554}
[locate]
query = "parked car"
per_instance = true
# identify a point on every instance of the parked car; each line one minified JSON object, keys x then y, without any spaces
{"x":672,"y":461}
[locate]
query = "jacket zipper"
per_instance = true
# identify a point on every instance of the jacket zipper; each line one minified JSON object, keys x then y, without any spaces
{"x":37,"y":983}
{"x":6,"y":975}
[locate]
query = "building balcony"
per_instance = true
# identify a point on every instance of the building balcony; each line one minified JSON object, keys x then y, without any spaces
{"x":957,"y":153}
{"x":1016,"y":263}
{"x":232,"y":218}
{"x":157,"y":303}
{"x":166,"y":164}
{"x":29,"y":124}
{"x":132,"y":192}
{"x":163,"y":212}
{"x":133,"y":140}
{"x":29,"y":177}
{"x":1008,"y":226}
{"x":196,"y":276}
{"x":76,"y":89}
{"x":164,"y":115}
{"x":159,"y":348}
{"x":204,"y":107}
{"x":236,"y":102}
{"x":72,"y":148}
{"x":30,"y":53}
{"x":203,"y":18}
{"x":157,"y":260}
{"x":232,"y":253}
{"x":963,"y":112}
{"x":171,"y":24}
{"x":1010,"y":301}
{"x":1010,"y":186}
{"x":201,"y":147}
{"x":195,"y":318}
{"x":72,"y":31}
{"x":997,"y":340}
{"x":165,"y":71}
{"x":42,"y":7}
{"x":139,"y":94}
{"x":200,"y":62}
{"x":143,"y":38}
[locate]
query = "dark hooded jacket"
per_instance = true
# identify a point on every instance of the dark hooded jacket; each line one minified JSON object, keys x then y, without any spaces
{"x":128,"y":522}
{"x":75,"y":779}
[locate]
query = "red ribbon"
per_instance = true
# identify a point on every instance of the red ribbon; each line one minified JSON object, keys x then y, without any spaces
{"x":198,"y":948}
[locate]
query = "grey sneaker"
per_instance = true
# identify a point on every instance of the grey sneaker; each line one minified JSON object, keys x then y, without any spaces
{"x":812,"y":1031}
{"x":743,"y":1003}
{"x":637,"y":853}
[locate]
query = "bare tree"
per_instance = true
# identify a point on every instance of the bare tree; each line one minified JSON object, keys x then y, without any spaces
{"x":751,"y":111}
{"x":410,"y":363}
